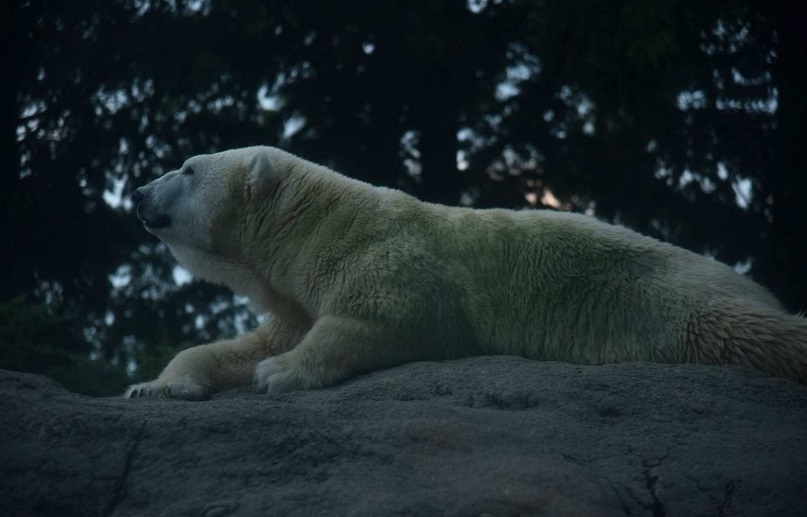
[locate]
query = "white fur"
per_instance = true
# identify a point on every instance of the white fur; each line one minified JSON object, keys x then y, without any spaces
{"x":355,"y":278}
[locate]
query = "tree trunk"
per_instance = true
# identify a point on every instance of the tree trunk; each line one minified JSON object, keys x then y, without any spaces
{"x":789,"y":174}
{"x":14,"y":279}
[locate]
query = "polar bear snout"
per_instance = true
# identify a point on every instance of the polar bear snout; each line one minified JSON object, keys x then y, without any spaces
{"x":138,"y":195}
{"x":146,"y":211}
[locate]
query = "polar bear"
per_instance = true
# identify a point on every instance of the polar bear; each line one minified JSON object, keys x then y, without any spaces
{"x":355,"y":278}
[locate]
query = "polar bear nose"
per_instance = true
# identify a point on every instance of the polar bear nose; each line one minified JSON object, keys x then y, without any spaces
{"x":137,"y":195}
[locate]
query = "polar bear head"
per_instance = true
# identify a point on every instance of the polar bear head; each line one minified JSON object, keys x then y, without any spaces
{"x":200,"y":210}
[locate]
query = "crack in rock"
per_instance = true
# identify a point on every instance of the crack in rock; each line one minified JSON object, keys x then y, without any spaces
{"x":120,"y":484}
{"x":655,"y":506}
{"x":728,"y":493}
{"x":624,"y":504}
{"x":723,"y":506}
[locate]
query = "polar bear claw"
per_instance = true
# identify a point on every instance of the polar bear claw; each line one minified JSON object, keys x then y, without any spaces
{"x":271,"y":376}
{"x":184,"y":389}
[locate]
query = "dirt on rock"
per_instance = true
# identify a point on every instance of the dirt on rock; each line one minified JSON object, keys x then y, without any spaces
{"x":484,"y":436}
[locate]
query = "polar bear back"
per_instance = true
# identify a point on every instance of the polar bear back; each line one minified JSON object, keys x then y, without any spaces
{"x":569,"y":281}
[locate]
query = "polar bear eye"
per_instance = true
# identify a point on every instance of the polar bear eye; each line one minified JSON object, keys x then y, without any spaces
{"x":188,"y":171}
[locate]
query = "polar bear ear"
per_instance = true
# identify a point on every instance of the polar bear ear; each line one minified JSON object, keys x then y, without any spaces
{"x":261,"y":175}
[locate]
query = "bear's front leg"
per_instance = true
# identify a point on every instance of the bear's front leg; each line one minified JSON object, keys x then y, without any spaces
{"x":198,"y":372}
{"x":335,"y":349}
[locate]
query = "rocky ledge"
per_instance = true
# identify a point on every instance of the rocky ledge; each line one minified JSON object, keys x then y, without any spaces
{"x":481,"y":436}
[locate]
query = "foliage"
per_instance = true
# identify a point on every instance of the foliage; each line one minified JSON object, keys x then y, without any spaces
{"x":39,"y":342}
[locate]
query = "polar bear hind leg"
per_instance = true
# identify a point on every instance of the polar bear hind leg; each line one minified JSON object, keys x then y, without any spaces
{"x":738,"y":332}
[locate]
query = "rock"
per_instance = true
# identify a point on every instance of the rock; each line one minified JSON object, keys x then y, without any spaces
{"x":484,"y":436}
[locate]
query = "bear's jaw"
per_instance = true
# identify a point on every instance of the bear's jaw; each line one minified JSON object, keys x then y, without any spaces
{"x":156,"y":222}
{"x":150,"y":218}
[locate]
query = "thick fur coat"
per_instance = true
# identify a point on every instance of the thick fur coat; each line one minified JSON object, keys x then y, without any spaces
{"x":354,"y":278}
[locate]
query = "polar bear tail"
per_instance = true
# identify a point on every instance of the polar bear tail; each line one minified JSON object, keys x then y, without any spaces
{"x":765,"y":338}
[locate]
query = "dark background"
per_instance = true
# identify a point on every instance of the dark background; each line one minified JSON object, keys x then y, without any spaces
{"x":678,"y":119}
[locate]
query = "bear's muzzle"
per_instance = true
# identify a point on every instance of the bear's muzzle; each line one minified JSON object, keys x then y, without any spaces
{"x":145,"y":212}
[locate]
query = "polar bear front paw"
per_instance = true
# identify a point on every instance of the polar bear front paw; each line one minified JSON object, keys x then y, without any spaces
{"x":184,"y":388}
{"x":273,"y":375}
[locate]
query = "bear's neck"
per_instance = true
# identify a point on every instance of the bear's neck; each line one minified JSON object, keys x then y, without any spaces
{"x":310,"y":222}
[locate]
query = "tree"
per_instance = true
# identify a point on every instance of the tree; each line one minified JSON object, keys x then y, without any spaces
{"x":787,"y":167}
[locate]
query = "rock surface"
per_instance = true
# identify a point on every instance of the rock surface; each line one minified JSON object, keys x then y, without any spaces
{"x":481,"y":436}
